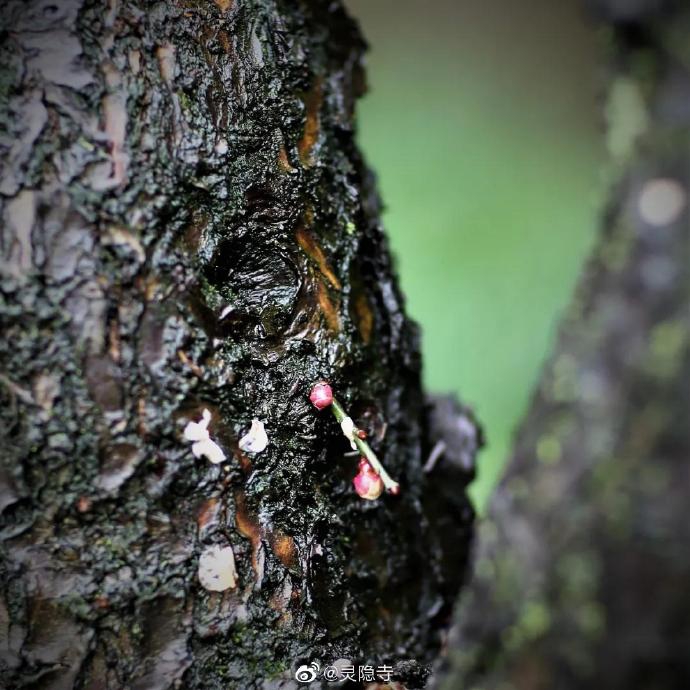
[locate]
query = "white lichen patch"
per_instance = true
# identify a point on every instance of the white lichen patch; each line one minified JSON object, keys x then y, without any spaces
{"x":256,"y":439}
{"x":661,"y":201}
{"x":217,"y":569}
{"x":203,"y":445}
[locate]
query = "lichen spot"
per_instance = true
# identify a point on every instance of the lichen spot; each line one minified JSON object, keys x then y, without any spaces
{"x":217,"y":569}
{"x":256,"y":439}
{"x":661,"y":201}
{"x":203,"y":445}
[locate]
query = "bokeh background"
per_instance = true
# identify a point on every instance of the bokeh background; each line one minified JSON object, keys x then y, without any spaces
{"x":484,"y":125}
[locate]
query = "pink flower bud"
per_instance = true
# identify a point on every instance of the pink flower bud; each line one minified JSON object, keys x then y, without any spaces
{"x":367,"y":483}
{"x":321,"y":396}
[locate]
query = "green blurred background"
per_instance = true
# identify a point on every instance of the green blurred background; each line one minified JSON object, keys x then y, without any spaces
{"x":483,"y":124}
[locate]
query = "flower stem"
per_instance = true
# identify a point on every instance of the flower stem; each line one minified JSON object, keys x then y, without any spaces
{"x":364,"y":448}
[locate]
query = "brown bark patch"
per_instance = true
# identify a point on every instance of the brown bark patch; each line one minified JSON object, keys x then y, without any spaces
{"x":283,"y":546}
{"x":208,"y":514}
{"x":103,"y":378}
{"x":328,"y":309}
{"x":224,"y":5}
{"x":193,"y":233}
{"x":364,"y":317}
{"x":248,"y":526}
{"x":315,"y":252}
{"x":194,"y":368}
{"x":166,"y":62}
{"x":224,"y":38}
{"x":284,"y":161}
{"x":118,"y":463}
{"x":312,"y":125}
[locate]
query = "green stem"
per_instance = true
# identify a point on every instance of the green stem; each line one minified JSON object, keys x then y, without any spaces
{"x":364,"y":448}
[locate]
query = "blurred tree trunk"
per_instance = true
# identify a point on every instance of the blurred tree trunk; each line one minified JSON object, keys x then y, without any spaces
{"x":582,"y":571}
{"x":188,"y":225}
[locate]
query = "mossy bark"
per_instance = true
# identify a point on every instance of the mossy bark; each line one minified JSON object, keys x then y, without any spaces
{"x":188,"y":225}
{"x":582,"y":567}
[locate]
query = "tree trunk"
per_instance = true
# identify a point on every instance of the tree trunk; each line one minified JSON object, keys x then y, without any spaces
{"x":188,"y":226}
{"x":582,"y":574}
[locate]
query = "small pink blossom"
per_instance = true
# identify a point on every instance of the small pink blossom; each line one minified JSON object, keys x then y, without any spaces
{"x":367,"y":483}
{"x":321,"y":396}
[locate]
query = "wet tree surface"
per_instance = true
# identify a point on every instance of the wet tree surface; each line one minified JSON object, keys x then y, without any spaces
{"x":187,"y":224}
{"x":582,"y":571}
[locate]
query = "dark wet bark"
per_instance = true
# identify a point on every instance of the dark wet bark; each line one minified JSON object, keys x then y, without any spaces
{"x":187,"y":224}
{"x":582,"y":574}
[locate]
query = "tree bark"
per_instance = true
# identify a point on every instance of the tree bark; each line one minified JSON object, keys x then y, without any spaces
{"x":582,"y":567}
{"x":188,"y":225}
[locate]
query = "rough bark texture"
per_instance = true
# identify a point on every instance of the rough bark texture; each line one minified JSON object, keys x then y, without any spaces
{"x":582,"y":574}
{"x":187,"y":224}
